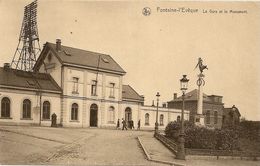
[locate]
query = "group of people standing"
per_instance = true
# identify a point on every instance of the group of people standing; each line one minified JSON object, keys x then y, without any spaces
{"x":130,"y":124}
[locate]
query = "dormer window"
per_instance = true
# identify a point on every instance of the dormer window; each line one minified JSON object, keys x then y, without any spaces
{"x":105,"y":60}
{"x":31,"y":83}
{"x":67,"y":53}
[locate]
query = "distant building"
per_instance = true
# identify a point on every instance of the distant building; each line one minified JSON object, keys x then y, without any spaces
{"x":83,"y":88}
{"x":212,"y":107}
{"x":231,"y":116}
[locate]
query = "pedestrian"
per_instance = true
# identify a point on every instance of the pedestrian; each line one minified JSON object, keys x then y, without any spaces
{"x":118,"y":124}
{"x":124,"y":124}
{"x":138,"y":124}
{"x":133,"y":126}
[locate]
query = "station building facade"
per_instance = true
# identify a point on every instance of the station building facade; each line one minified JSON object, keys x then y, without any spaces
{"x":83,"y":88}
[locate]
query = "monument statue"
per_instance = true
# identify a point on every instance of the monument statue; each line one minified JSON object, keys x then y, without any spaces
{"x":199,"y":117}
{"x":201,"y":66}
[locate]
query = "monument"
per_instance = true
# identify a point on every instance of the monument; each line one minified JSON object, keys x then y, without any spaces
{"x":199,"y":117}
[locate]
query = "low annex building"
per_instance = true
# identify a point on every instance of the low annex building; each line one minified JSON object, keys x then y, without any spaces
{"x":21,"y":94}
{"x":83,"y":88}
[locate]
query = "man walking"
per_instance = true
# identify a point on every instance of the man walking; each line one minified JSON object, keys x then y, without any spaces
{"x":124,"y":124}
{"x":118,"y":124}
{"x":138,"y":124}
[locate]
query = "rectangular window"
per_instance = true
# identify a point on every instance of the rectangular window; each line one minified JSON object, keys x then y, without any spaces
{"x":215,"y":117}
{"x":146,"y":119}
{"x":208,"y":117}
{"x":75,"y":84}
{"x":161,"y":120}
{"x":94,"y":88}
{"x":112,"y":90}
{"x":111,"y":113}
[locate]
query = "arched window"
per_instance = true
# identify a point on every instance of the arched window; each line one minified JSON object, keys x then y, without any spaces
{"x":215,"y":117}
{"x":208,"y":117}
{"x":46,"y":110}
{"x":110,"y":115}
{"x":93,"y":115}
{"x":161,"y":120}
{"x":5,"y":107}
{"x":146,"y":119}
{"x":128,"y":114}
{"x":26,"y":109}
{"x":74,"y":111}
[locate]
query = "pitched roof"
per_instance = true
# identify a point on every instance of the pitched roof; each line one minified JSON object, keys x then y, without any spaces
{"x":23,"y":79}
{"x":81,"y":57}
{"x":129,"y":93}
{"x":233,"y":108}
{"x":191,"y":96}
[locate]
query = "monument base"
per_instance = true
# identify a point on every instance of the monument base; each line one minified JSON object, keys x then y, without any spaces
{"x":199,"y":120}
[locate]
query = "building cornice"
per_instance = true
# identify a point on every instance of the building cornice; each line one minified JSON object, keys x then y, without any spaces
{"x":29,"y":89}
{"x":131,"y":100}
{"x":180,"y":101}
{"x":92,"y":68}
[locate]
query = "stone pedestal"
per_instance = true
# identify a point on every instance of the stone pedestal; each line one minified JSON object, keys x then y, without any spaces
{"x":199,"y":120}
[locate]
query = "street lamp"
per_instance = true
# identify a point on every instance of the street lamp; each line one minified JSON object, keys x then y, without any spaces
{"x":156,"y":123}
{"x":181,"y":151}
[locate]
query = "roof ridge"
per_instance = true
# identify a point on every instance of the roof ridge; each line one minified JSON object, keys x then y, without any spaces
{"x":86,"y":58}
{"x":80,"y":49}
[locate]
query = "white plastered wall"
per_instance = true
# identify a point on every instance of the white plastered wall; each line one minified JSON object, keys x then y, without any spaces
{"x":16,"y":106}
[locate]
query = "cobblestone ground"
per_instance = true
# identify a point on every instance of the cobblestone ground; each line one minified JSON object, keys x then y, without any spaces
{"x":76,"y":146}
{"x":59,"y":146}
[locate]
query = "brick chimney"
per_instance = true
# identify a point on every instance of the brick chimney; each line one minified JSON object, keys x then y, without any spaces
{"x":164,"y":105}
{"x":58,"y":45}
{"x":174,"y":96}
{"x":153,"y":103}
{"x":6,"y":66}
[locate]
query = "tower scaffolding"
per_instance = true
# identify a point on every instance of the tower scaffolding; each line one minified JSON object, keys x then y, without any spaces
{"x":28,"y":47}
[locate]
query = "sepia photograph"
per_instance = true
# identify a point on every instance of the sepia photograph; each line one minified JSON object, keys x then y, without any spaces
{"x":169,"y":83}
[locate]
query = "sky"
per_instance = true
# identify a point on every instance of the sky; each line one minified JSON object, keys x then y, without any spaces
{"x":156,"y":50}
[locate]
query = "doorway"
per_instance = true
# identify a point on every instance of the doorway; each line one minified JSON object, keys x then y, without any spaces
{"x":128,"y":116}
{"x":93,"y":115}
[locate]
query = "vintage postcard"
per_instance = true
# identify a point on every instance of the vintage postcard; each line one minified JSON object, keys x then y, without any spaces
{"x":129,"y":82}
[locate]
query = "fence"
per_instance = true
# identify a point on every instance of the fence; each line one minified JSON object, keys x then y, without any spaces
{"x":218,"y":153}
{"x":171,"y":145}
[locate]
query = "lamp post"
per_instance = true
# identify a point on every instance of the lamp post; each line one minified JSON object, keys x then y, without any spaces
{"x":181,"y":151}
{"x":156,"y":123}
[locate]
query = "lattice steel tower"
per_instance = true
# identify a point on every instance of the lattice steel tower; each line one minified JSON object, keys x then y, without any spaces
{"x":28,"y":46}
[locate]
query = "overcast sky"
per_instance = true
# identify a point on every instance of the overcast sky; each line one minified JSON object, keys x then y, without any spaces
{"x":156,"y":50}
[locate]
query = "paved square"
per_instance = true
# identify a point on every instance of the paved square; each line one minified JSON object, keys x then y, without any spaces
{"x":44,"y":145}
{"x":87,"y":146}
